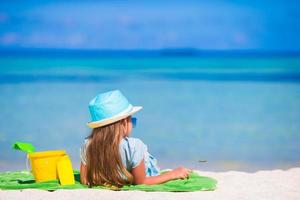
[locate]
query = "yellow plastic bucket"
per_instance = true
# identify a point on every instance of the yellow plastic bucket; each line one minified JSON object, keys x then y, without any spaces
{"x":65,"y":171}
{"x":44,"y":164}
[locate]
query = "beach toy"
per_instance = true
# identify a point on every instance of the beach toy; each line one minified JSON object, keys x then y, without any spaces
{"x":44,"y":164}
{"x":48,"y":165}
{"x":22,"y":146}
{"x":65,"y":171}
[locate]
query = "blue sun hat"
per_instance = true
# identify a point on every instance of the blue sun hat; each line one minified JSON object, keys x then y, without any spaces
{"x":109,"y":107}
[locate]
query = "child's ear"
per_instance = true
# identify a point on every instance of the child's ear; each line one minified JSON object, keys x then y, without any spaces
{"x":125,"y":126}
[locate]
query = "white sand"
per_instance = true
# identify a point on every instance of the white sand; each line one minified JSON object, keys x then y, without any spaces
{"x":276,"y":184}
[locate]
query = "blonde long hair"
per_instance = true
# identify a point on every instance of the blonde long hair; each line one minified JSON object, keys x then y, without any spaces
{"x":104,"y":164}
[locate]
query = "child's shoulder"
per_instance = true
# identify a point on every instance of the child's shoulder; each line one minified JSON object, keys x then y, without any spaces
{"x":132,"y":139}
{"x":133,"y":150}
{"x":132,"y":142}
{"x":126,"y":142}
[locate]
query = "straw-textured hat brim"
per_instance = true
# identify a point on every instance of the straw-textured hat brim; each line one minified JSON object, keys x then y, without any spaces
{"x":116,"y":118}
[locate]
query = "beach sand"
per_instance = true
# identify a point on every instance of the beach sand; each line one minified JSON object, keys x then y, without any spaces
{"x":275,"y":184}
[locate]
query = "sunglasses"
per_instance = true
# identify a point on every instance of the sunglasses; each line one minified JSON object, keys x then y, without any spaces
{"x":133,"y":121}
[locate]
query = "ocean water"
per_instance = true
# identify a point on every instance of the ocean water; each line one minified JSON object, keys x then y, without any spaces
{"x":235,"y":112}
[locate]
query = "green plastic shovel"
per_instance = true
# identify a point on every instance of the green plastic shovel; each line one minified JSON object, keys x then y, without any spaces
{"x":23,"y":146}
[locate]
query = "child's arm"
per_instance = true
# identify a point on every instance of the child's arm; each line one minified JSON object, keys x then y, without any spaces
{"x":140,"y":177}
{"x":83,"y":174}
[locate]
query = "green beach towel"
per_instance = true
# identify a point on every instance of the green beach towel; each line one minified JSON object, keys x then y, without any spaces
{"x":24,"y":180}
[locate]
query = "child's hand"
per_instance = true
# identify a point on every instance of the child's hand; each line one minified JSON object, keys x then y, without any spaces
{"x":180,"y":172}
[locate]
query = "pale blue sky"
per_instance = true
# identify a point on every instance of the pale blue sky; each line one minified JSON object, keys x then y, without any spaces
{"x":214,"y":25}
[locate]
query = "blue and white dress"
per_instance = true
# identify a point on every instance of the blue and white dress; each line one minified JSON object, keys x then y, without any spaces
{"x":132,"y":152}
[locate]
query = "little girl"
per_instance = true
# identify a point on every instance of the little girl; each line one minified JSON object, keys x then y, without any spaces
{"x":110,"y":156}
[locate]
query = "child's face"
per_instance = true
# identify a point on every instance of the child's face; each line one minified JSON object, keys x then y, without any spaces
{"x":128,"y":126}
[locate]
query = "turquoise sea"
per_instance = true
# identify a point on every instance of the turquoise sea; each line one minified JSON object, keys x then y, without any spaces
{"x":235,"y":111}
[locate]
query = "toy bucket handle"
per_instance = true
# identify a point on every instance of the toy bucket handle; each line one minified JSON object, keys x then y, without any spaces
{"x":27,"y":163}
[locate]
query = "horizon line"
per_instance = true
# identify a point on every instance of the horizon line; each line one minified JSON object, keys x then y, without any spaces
{"x":149,"y":52}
